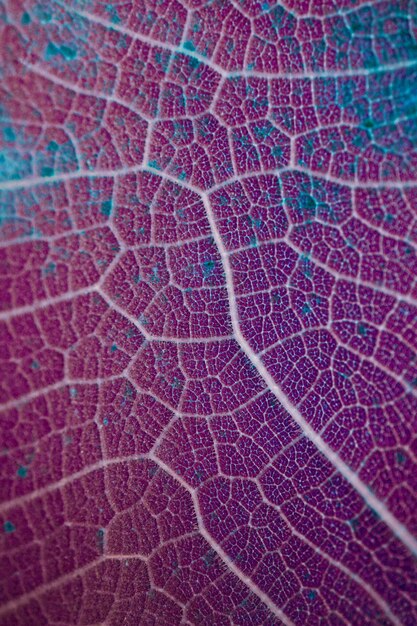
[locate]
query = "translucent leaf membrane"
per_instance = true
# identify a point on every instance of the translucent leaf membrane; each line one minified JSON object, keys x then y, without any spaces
{"x":208,"y":313}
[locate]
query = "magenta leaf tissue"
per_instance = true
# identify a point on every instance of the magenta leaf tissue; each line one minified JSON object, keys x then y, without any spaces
{"x":208,"y":320}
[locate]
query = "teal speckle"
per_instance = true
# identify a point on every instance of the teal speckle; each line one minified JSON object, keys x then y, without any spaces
{"x":154,"y":165}
{"x":43,"y":16}
{"x":8,"y":134}
{"x":362,"y":330}
{"x":26,"y":19}
{"x":7,"y":214}
{"x":154,"y":277}
{"x":194,"y":63}
{"x":400,"y":457}
{"x":208,"y":558}
{"x":47,"y":171}
{"x":208,"y":268}
{"x":12,"y":167}
{"x":68,"y":53}
{"x":52,"y":50}
{"x":49,"y":269}
{"x":353,"y":523}
{"x":262,"y":132}
{"x":105,"y":421}
{"x":113,"y":348}
{"x":256,"y":222}
{"x":9,"y":527}
{"x":114,"y":16}
{"x":368,"y":124}
{"x":188,"y":45}
{"x":307,"y":203}
{"x":106,"y":208}
{"x":52,"y":146}
{"x":100,"y":539}
{"x":176,"y":383}
{"x":162,"y":60}
{"x":22,"y":472}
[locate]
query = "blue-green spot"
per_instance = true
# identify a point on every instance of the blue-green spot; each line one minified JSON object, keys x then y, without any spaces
{"x":12,"y":166}
{"x":52,"y":146}
{"x":400,"y":457}
{"x":208,"y":558}
{"x":47,"y":171}
{"x":154,"y":277}
{"x":194,"y":63}
{"x":67,"y":53}
{"x":22,"y":471}
{"x":262,"y":131}
{"x":114,"y":16}
{"x":9,"y":527}
{"x":208,"y":267}
{"x":51,"y":51}
{"x":100,"y":539}
{"x":106,"y":208}
{"x":49,"y":269}
{"x":43,"y":16}
{"x":188,"y":45}
{"x":9,"y":134}
{"x":362,"y":330}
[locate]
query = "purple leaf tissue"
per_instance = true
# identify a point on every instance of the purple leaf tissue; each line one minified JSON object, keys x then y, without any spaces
{"x":208,"y":313}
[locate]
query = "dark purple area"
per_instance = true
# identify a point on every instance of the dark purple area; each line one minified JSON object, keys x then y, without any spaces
{"x":208,"y":313}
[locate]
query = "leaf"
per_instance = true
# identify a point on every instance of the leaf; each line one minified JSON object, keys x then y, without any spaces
{"x":208,"y":313}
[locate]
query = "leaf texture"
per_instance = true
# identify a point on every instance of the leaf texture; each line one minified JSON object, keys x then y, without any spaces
{"x":208,"y":320}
